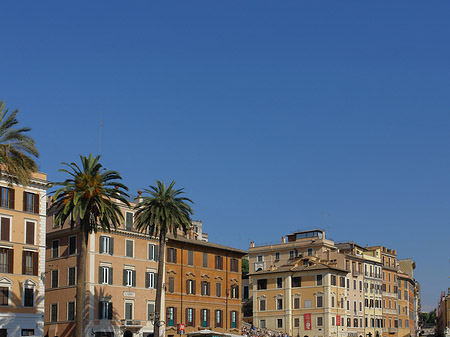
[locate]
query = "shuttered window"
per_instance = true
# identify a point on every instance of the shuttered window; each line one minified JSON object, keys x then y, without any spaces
{"x":7,"y":197}
{"x":30,"y":202}
{"x":190,"y":258}
{"x":71,"y":311}
{"x":219,"y":262}
{"x":5,"y":229}
{"x":29,"y":263}
{"x":171,"y":255}
{"x":72,"y":245}
{"x":71,"y":276}
{"x":28,"y":297}
{"x":171,"y":284}
{"x":6,"y":260}
{"x":234,"y":265}
{"x":205,"y":260}
{"x":29,"y":238}
{"x":153,"y":252}
{"x":205,"y":318}
{"x":4,"y":294}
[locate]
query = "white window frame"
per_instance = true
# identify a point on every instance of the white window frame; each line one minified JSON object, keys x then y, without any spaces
{"x":68,"y":245}
{"x":74,"y":310}
{"x":129,"y":278}
{"x":106,"y":274}
{"x":29,"y":284}
{"x":5,"y":282}
{"x":68,"y":276}
{"x":57,"y":254}
{"x":151,"y":247}
{"x":10,"y":225}
{"x":25,"y":231}
{"x":106,"y":244}
{"x":152,"y":283}
{"x":105,"y":309}
{"x":148,"y":312}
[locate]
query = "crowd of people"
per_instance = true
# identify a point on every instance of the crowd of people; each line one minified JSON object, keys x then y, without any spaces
{"x":252,"y":331}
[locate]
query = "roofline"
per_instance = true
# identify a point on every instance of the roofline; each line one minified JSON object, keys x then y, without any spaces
{"x":206,"y":244}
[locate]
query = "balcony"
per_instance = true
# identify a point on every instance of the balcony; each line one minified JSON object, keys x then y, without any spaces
{"x":392,"y":330}
{"x":131,"y":323}
{"x":355,"y":272}
{"x":260,"y":265}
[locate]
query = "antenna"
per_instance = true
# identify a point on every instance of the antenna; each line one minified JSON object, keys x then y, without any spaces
{"x":100,"y":140}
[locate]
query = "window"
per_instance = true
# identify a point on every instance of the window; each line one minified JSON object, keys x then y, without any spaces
{"x":319,"y":302}
{"x":219,"y":262}
{"x":296,"y":322}
{"x":348,"y":305}
{"x":205,"y":260}
{"x":70,"y":311}
{"x":279,"y":323}
{"x":234,"y":291}
{"x":279,"y":282}
{"x":279,"y":304}
{"x":342,"y":282}
{"x":71,"y":276}
{"x":129,"y":248}
{"x":7,"y":197}
{"x":190,"y":287}
{"x":129,"y":278}
{"x":5,"y":231}
{"x":54,"y":281}
{"x":4,"y":295}
{"x":152,"y":252}
{"x":54,"y":312}
{"x":308,"y":304}
{"x":234,"y":265}
{"x":72,"y":245}
{"x":262,"y":323}
{"x":105,"y":275}
{"x":27,"y":332}
{"x":310,"y":252}
{"x":333,"y":321}
{"x":28,"y":296}
{"x":296,"y":282}
{"x":171,"y":255}
{"x":319,"y":280}
{"x":150,"y":310}
{"x":259,"y":258}
{"x":171,"y":285}
{"x":6,"y":260}
{"x":128,"y":310}
{"x":319,"y":321}
{"x":332,"y":301}
{"x":190,"y":317}
{"x":29,"y":232}
{"x":218,"y":289}
{"x":262,"y":284}
{"x":245,"y":294}
{"x":171,"y":313}
{"x":105,"y":310}
{"x":296,"y":303}
{"x":355,"y":322}
{"x":151,"y":280}
{"x":55,"y":248}
{"x":360,"y":285}
{"x":30,"y":202}
{"x":291,"y":254}
{"x":190,"y":258}
{"x":205,"y":318}
{"x":205,"y":288}
{"x":106,"y":245}
{"x":29,"y":263}
{"x":218,"y":316}
{"x":333,"y":280}
{"x":277,"y":256}
{"x":129,"y":220}
{"x":234,"y":319}
{"x":262,"y":304}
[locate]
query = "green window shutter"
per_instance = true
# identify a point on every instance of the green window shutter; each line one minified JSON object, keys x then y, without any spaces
{"x":102,"y":249}
{"x":156,"y":252}
{"x":100,"y":275}
{"x":100,"y":310}
{"x":110,"y":281}
{"x":111,"y":246}
{"x":147,"y":280}
{"x":124,"y":277}
{"x":110,"y":310}
{"x":134,"y":278}
{"x":151,"y":254}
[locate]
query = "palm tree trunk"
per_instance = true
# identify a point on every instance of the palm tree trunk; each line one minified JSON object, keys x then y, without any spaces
{"x":160,"y":288}
{"x":81,"y":285}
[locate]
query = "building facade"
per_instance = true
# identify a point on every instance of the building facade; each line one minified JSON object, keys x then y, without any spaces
{"x":203,"y":282}
{"x":22,"y":256}
{"x":120,"y":281}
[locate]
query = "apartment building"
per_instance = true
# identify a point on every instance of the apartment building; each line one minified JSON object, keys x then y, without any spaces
{"x":390,"y":292}
{"x":407,"y":315}
{"x":120,"y":281}
{"x":373,"y":292}
{"x":350,"y":257}
{"x":203,"y":281}
{"x":443,"y":315}
{"x":22,"y":256}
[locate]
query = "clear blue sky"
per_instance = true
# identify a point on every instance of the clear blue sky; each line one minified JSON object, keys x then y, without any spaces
{"x":274,"y":116}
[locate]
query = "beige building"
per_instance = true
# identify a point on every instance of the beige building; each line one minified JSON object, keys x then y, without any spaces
{"x":22,"y":256}
{"x":373,"y":313}
{"x":121,"y":281}
{"x":407,"y":297}
{"x":443,"y":315}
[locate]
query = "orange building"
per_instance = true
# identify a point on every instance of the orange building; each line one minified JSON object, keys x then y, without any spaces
{"x":203,"y":283}
{"x":22,"y":256}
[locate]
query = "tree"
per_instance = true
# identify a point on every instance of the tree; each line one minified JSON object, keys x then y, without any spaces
{"x":162,"y":212}
{"x":89,"y":199}
{"x":17,"y":149}
{"x":245,"y":268}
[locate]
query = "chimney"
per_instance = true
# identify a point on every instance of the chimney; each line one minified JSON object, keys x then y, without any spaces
{"x":283,"y":239}
{"x":252,"y":244}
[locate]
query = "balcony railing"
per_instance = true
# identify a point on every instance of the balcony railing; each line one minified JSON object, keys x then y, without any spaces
{"x":130,"y":323}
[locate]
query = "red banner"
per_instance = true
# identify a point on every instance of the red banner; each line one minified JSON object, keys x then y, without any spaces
{"x":338,"y":320}
{"x":307,"y":318}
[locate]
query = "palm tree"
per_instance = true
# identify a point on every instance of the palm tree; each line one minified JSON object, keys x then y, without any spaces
{"x":163,"y":211}
{"x":90,"y":199}
{"x":16,"y":148}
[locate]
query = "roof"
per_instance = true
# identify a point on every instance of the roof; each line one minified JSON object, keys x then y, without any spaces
{"x":295,"y":265}
{"x":206,"y":244}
